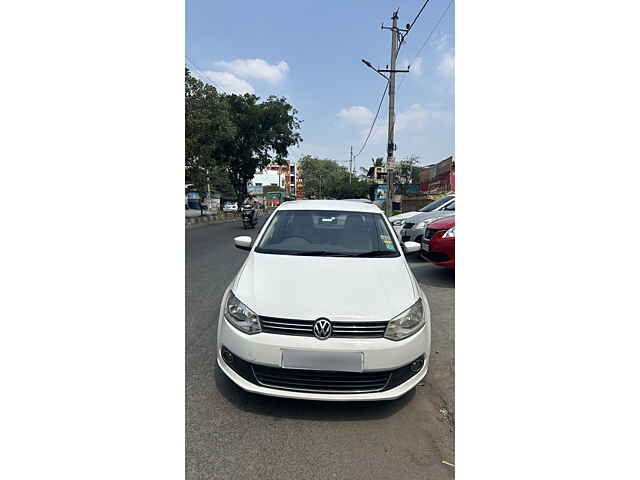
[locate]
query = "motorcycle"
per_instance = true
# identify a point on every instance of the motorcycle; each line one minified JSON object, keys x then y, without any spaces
{"x":249,"y":218}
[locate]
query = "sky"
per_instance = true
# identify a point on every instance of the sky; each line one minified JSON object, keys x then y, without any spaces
{"x":310,"y":52}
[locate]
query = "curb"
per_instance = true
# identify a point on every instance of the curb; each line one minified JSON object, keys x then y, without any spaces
{"x":210,"y":220}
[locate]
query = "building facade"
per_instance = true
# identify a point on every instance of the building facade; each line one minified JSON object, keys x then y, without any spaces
{"x":299,"y":181}
{"x":438,"y":178}
{"x":288,"y":177}
{"x":378,"y":174}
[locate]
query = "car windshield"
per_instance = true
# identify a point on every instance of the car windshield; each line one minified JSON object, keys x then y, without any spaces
{"x":435,"y":205}
{"x":328,"y":233}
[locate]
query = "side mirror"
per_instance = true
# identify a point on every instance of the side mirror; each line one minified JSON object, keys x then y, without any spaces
{"x":243,"y":242}
{"x":410,"y":247}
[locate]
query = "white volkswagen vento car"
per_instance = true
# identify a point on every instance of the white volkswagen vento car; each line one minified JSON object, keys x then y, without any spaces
{"x":325,"y":307}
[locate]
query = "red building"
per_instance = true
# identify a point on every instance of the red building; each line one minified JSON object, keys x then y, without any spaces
{"x":438,"y":178}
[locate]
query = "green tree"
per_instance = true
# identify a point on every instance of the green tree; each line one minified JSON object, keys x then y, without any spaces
{"x":325,"y":178}
{"x":318,"y":174}
{"x":208,"y":130}
{"x":409,"y":170}
{"x":272,"y":188}
{"x":228,"y":137}
{"x":265,"y":131}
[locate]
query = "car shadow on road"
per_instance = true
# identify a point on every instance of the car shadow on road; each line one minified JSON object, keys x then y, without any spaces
{"x":432,"y":275}
{"x":307,"y":409}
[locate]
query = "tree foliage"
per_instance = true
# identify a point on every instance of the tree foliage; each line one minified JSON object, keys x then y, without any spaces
{"x":233,"y":135}
{"x":265,"y":131}
{"x":325,"y":178}
{"x":409,"y":170}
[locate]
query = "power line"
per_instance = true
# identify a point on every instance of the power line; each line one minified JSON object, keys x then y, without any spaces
{"x":387,"y":87}
{"x":202,"y":75}
{"x":411,"y":25}
{"x":428,"y":37}
{"x":374,"y":121}
{"x":418,"y":15}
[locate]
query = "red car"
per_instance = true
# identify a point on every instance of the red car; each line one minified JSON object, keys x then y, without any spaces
{"x":439,"y":242}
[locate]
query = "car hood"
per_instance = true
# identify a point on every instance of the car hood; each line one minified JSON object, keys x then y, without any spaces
{"x":307,"y":288}
{"x":444,"y":223}
{"x":402,"y":216}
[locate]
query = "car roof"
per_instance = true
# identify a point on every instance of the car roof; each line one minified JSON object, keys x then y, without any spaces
{"x":340,"y":205}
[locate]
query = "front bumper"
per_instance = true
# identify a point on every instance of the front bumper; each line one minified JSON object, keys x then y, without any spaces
{"x":390,"y":394}
{"x":412,"y":234}
{"x":380,"y":355}
{"x":441,"y":252}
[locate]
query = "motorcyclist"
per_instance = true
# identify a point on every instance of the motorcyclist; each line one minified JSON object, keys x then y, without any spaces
{"x":250,"y":205}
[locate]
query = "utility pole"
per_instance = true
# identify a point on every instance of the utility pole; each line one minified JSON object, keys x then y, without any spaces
{"x":391,"y":146}
{"x":208,"y":192}
{"x":350,"y":163}
{"x":395,"y":42}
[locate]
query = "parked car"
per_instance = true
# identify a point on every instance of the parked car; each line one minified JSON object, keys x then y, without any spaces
{"x":439,"y":242}
{"x":414,"y":227}
{"x":230,"y":207}
{"x":353,"y":325}
{"x":363,"y":200}
{"x":398,"y":220}
{"x":193,"y":205}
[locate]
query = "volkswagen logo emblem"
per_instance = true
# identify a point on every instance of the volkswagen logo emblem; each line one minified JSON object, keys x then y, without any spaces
{"x":322,"y":328}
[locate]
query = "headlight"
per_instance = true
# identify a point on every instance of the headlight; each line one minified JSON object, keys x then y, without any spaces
{"x":241,"y":316}
{"x":398,"y":223}
{"x":451,"y":233}
{"x":424,"y":223}
{"x":407,"y":323}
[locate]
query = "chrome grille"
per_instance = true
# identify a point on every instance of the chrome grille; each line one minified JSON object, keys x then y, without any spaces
{"x":304,"y":328}
{"x":321,"y":381}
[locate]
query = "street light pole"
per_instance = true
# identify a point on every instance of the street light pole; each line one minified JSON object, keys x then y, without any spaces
{"x":395,"y":31}
{"x":392,"y":111}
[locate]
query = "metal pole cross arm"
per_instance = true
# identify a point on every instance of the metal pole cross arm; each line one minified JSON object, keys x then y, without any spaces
{"x":374,"y":69}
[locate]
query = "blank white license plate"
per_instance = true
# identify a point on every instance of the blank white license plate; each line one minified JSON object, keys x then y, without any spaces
{"x":319,"y":360}
{"x":426,"y":247}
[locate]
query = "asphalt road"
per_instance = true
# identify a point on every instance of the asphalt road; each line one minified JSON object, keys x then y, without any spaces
{"x":233,"y":434}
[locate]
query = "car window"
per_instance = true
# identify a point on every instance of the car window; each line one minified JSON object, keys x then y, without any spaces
{"x":328,"y":233}
{"x":450,"y":207}
{"x":435,"y":205}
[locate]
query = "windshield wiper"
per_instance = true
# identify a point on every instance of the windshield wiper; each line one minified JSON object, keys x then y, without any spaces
{"x":376,"y":253}
{"x":326,"y":253}
{"x":320,"y":253}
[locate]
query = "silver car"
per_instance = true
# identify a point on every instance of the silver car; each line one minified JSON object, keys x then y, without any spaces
{"x":398,"y":220}
{"x":413,"y":228}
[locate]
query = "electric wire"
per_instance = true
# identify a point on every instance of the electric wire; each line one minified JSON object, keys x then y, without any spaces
{"x":433,"y":30}
{"x":203,"y":77}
